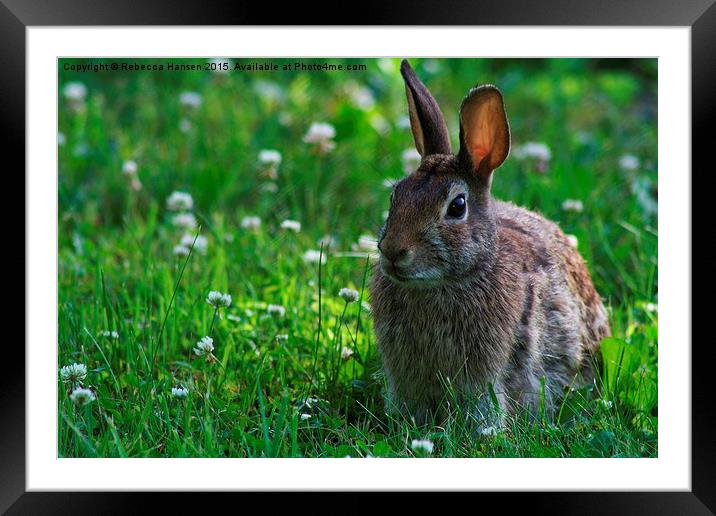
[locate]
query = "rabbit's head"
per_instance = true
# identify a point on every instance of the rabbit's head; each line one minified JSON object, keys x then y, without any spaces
{"x":441,"y":224}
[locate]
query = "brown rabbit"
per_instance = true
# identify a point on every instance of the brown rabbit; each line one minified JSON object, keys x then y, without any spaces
{"x":474,"y":292}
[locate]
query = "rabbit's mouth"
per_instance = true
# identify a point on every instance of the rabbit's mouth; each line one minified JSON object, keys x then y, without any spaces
{"x":404,"y":279}
{"x":409,"y":278}
{"x":396,"y":274}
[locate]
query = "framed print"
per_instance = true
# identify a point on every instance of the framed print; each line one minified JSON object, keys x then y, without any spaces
{"x":417,"y":254}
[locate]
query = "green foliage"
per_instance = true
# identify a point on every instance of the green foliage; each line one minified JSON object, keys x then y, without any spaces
{"x":283,"y":385}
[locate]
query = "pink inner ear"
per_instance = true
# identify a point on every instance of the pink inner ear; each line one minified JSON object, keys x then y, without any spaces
{"x":478,"y":151}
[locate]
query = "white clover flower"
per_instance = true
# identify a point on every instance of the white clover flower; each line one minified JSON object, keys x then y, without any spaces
{"x":251,"y":222}
{"x":539,"y":151}
{"x":651,"y":307}
{"x":199,"y":246}
{"x":573,"y":241}
{"x":75,"y":91}
{"x":321,"y":135}
{"x":422,"y":445}
{"x":268,"y":91}
{"x":411,"y":160}
{"x":190,"y":98}
{"x":185,"y":220}
{"x":276,"y":310}
{"x":73,"y":374}
{"x":327,"y":241}
{"x":348,"y":295}
{"x":81,"y":396}
{"x":313,"y":256}
{"x":61,"y":139}
{"x":270,"y":157}
{"x":368,"y":243}
{"x":180,"y":392}
{"x":180,"y":201}
{"x":488,"y":431}
{"x":291,"y":225}
{"x":218,"y":300}
{"x":204,"y":347}
{"x":282,"y":337}
{"x":129,"y":167}
{"x":187,"y":240}
{"x":269,"y":160}
{"x":109,"y":334}
{"x":181,"y":250}
{"x":319,"y":131}
{"x":185,"y":125}
{"x":346,"y":353}
{"x":360,"y":95}
{"x":574,"y":205}
{"x":629,"y":162}
{"x":312,"y":405}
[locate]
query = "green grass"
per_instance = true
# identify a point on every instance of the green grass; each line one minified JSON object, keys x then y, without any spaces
{"x":118,"y":272}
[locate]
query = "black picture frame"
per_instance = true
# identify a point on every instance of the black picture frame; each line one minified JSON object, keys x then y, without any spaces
{"x":700,"y":15}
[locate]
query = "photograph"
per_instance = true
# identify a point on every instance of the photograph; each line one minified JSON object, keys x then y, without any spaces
{"x":384,"y":257}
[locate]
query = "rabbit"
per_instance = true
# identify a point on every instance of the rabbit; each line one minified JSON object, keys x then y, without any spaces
{"x":471,"y":293}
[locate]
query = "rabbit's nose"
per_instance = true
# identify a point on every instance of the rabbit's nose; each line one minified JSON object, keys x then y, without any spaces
{"x":398,"y":257}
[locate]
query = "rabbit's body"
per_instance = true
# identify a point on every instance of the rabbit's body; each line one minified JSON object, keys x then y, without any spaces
{"x":472,"y":292}
{"x":531,"y":313}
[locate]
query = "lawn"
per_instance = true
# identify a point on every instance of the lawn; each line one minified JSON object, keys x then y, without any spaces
{"x":292,"y":368}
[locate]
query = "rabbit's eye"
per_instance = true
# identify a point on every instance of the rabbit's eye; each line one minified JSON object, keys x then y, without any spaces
{"x":457,"y":207}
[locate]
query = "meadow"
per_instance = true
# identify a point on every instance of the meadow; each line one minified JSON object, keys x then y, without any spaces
{"x":269,"y":187}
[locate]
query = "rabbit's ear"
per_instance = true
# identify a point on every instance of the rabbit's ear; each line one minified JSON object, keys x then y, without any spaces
{"x":426,"y":119}
{"x":484,"y":130}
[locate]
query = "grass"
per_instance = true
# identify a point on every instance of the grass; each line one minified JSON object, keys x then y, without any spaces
{"x":277,"y":385}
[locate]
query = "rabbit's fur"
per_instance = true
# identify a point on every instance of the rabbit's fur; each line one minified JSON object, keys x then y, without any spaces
{"x":500,"y":298}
